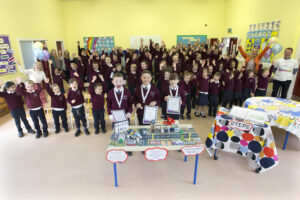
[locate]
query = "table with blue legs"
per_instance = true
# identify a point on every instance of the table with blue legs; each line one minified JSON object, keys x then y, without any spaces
{"x":143,"y":138}
{"x":281,"y":113}
{"x":245,"y":138}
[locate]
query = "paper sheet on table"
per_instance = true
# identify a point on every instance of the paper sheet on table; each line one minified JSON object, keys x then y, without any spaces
{"x":150,"y":114}
{"x":173,"y":105}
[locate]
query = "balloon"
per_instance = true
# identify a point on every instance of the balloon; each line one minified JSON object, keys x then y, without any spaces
{"x":276,"y":48}
{"x":38,"y":45}
{"x":38,"y":53}
{"x":273,"y":39}
{"x":46,"y":55}
{"x":268,"y":53}
{"x":222,"y":45}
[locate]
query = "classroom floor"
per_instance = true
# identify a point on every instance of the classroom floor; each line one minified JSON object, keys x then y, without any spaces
{"x":64,"y":167}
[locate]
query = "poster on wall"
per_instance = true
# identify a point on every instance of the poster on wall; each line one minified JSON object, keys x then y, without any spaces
{"x":7,"y":64}
{"x":184,"y":39}
{"x":99,"y":43}
{"x":258,"y":36}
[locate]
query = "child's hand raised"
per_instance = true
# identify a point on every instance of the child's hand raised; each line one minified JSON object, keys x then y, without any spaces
{"x":47,"y":80}
{"x":18,"y":80}
{"x":76,"y":74}
{"x":94,"y":79}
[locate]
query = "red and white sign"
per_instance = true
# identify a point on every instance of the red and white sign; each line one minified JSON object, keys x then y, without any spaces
{"x":116,"y":156}
{"x":240,"y":125}
{"x":156,"y":154}
{"x":192,"y":150}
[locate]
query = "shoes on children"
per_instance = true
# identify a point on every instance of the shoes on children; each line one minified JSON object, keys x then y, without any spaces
{"x":46,"y":134}
{"x":38,"y":135}
{"x":20,"y":134}
{"x":209,"y":114}
{"x":103,"y":131}
{"x":181,"y":116}
{"x":197,"y":114}
{"x":86,"y":131}
{"x":57,"y":131}
{"x":129,"y":153}
{"x":66,"y":130}
{"x":202,"y":114}
{"x":162,"y":116}
{"x":77,"y":133}
{"x":188,"y":116}
{"x":31,"y":131}
{"x":97,"y":131}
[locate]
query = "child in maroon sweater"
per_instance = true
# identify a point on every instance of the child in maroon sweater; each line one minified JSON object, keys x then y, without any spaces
{"x":58,"y":105}
{"x":33,"y":102}
{"x":119,"y":98}
{"x":165,"y":83}
{"x":174,"y":91}
{"x":15,"y":104}
{"x":228,"y":84}
{"x":145,"y":94}
{"x":97,"y":97}
{"x":132,"y":78}
{"x":263,"y":77}
{"x":214,"y":90}
{"x":76,"y":100}
{"x":57,"y":77}
{"x":202,"y":93}
{"x":249,"y":85}
{"x":238,"y":86}
{"x":186,"y":84}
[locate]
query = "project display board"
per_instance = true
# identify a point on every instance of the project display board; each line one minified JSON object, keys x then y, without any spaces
{"x":184,"y":39}
{"x":6,"y":56}
{"x":135,"y":41}
{"x":99,"y":43}
{"x":258,"y":36}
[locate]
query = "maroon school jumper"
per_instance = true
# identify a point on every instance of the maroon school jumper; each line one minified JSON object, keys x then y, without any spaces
{"x":262,"y":82}
{"x":181,"y":93}
{"x":96,"y":99}
{"x":57,"y":101}
{"x":186,"y":86}
{"x":32,"y":99}
{"x":153,"y":95}
{"x":14,"y":100}
{"x":112,"y":103}
{"x":203,"y":85}
{"x":132,"y":78}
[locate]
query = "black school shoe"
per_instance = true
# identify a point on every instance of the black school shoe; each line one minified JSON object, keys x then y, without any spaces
{"x":129,"y":153}
{"x":181,"y":116}
{"x":103,"y":131}
{"x":46,"y":134}
{"x":57,"y":131}
{"x":196,"y":114}
{"x":86,"y":131}
{"x":38,"y":135}
{"x":202,"y":114}
{"x":66,"y":129}
{"x":77,"y":133}
{"x":21,"y":134}
{"x":188,"y":116}
{"x":97,"y":131}
{"x":31,"y":131}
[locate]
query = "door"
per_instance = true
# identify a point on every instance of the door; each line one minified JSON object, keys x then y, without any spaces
{"x":59,"y":46}
{"x":27,"y":53}
{"x":212,"y":41}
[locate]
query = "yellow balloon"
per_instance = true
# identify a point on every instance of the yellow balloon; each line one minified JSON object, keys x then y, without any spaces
{"x":38,"y":45}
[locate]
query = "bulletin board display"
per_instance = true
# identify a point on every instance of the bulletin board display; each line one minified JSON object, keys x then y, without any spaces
{"x":99,"y":43}
{"x":258,"y":36}
{"x":7,"y":64}
{"x":184,"y":39}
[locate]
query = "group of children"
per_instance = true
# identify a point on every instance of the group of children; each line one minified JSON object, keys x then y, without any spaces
{"x":199,"y":75}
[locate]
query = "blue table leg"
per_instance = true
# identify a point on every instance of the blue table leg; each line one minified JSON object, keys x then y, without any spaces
{"x":115,"y":172}
{"x":286,"y":139}
{"x":215,"y":155}
{"x":185,"y":158}
{"x":196,"y":168}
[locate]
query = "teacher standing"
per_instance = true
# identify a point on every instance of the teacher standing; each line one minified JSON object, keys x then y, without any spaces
{"x":284,"y":68}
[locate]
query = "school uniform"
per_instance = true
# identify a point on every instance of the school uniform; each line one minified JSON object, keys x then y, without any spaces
{"x":145,"y":95}
{"x":15,"y":103}
{"x":58,"y":79}
{"x":165,"y":84}
{"x":77,"y":107}
{"x":262,"y":82}
{"x":228,"y":92}
{"x":214,"y":90}
{"x":238,"y":87}
{"x":187,"y":93}
{"x":119,"y":100}
{"x":107,"y":75}
{"x":193,"y":82}
{"x":203,"y":91}
{"x":249,"y":87}
{"x":59,"y":107}
{"x":36,"y":111}
{"x":98,"y":108}
{"x":132,"y":81}
{"x":174,"y":92}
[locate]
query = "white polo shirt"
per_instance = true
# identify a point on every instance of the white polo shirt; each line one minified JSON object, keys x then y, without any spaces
{"x":285,"y":69}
